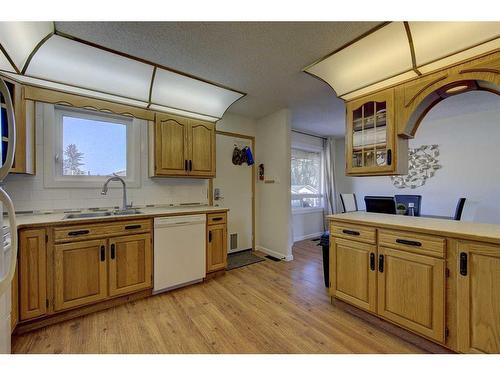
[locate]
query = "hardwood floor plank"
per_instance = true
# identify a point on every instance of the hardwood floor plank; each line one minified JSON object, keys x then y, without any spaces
{"x":267,"y":307}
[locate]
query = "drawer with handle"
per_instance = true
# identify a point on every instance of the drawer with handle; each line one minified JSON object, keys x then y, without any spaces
{"x":416,"y":243}
{"x":219,"y":218}
{"x":91,"y":231}
{"x":353,"y":232}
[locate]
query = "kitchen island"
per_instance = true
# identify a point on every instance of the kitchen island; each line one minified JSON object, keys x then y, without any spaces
{"x":436,"y":278}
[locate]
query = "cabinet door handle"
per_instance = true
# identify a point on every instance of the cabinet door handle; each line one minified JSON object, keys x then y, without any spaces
{"x":112,"y":251}
{"x":389,"y":157}
{"x":135,"y":226}
{"x":190,"y":165}
{"x":185,"y":165}
{"x":463,"y":264}
{"x":78,"y":232}
{"x":372,"y":261}
{"x":103,"y":253}
{"x":209,"y":236}
{"x":380,"y":263}
{"x":216,"y":219}
{"x":409,"y":242}
{"x":351,"y":232}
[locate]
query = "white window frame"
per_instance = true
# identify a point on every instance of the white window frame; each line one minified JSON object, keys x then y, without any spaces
{"x":305,"y":210}
{"x":53,"y":153}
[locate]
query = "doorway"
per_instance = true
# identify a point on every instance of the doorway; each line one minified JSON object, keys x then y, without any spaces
{"x":234,"y":188}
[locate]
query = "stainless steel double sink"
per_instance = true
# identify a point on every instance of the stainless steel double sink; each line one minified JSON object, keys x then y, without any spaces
{"x":87,"y":215}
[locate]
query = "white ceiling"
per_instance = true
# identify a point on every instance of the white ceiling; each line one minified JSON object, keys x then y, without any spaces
{"x":263,"y":59}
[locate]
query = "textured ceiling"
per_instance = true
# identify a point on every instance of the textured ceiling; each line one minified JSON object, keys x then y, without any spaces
{"x":263,"y":59}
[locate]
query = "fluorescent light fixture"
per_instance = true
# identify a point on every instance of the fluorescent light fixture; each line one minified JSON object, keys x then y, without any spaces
{"x":179,"y":112}
{"x":69,"y":62}
{"x":76,"y":90}
{"x":384,"y":57}
{"x":61,"y":62}
{"x":19,"y":39}
{"x":175,"y":90}
{"x":376,"y":57}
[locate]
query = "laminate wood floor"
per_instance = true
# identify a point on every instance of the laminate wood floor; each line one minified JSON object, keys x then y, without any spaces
{"x":267,"y":307}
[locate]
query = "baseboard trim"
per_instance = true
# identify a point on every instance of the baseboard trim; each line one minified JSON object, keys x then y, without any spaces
{"x":275,"y":253}
{"x":307,"y":236}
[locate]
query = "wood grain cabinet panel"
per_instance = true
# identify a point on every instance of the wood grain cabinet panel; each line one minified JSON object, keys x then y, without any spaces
{"x":32,"y":273}
{"x":478,"y":298}
{"x":411,"y":291}
{"x":80,"y":273}
{"x":354,"y":275}
{"x":216,"y":247}
{"x":201,"y":140}
{"x":171,"y":151}
{"x":130,"y":263}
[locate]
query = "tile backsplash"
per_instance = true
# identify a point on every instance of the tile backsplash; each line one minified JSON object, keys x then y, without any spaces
{"x":28,"y":192}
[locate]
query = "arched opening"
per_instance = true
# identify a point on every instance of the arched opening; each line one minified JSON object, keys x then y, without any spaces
{"x":446,"y":90}
{"x":466,"y":129}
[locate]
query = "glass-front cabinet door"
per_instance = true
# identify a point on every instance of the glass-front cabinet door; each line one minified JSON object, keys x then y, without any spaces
{"x":370,"y":135}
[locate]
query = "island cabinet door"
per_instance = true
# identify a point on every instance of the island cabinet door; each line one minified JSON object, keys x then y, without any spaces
{"x":354,"y":277}
{"x":478,"y":298}
{"x":130,"y":260}
{"x":411,"y":291}
{"x":80,"y":274}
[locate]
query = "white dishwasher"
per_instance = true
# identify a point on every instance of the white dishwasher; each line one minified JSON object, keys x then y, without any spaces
{"x":179,"y":251}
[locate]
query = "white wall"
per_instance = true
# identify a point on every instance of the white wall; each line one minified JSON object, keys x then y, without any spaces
{"x":307,"y":223}
{"x":467,"y":129}
{"x":237,"y":124}
{"x":28,"y":192}
{"x":273,"y":146}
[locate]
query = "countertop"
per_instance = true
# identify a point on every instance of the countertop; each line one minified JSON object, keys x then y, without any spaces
{"x":449,"y":228}
{"x":35,"y":220}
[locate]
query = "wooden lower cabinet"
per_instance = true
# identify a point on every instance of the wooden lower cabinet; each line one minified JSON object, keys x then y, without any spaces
{"x":32,"y":274}
{"x":130,"y":264}
{"x":354,"y":278}
{"x":216,"y":247}
{"x":411,"y":291}
{"x":478,"y":297}
{"x":80,"y":273}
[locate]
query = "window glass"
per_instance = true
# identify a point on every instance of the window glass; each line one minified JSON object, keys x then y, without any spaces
{"x":306,"y":179}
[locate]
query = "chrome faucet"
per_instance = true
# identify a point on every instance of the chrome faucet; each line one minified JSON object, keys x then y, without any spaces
{"x":115,"y":177}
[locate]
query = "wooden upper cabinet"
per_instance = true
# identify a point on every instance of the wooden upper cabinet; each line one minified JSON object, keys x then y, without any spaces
{"x":80,"y":273}
{"x":130,"y":264}
{"x":372,"y":146}
{"x":201,"y":140}
{"x":32,"y":274}
{"x":478,"y":298}
{"x":24,"y":113}
{"x":353,"y":272}
{"x":411,"y":289}
{"x":170,"y":146}
{"x":182,"y":147}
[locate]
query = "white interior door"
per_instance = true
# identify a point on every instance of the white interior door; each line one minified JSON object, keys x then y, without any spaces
{"x":235,"y":184}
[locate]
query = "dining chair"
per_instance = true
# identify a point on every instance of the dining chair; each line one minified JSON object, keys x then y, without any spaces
{"x":466,"y":210}
{"x":380,"y":204}
{"x":409,"y":198}
{"x":349,"y":203}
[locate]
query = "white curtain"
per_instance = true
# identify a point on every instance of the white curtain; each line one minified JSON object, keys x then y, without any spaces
{"x":329,"y":189}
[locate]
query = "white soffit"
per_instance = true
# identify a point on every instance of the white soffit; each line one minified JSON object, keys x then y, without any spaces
{"x":19,"y":39}
{"x":436,"y":40}
{"x":177,"y":91}
{"x":179,"y":112}
{"x":66,"y":61}
{"x":378,"y":56}
{"x":5,"y":64}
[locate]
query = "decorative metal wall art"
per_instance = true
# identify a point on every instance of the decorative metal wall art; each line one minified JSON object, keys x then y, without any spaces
{"x":422,"y":164}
